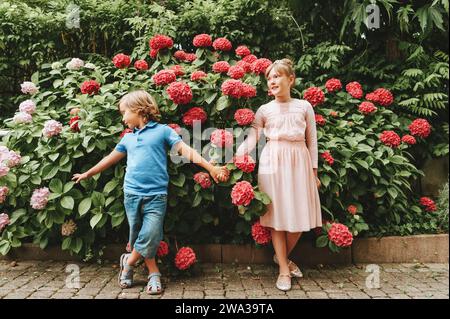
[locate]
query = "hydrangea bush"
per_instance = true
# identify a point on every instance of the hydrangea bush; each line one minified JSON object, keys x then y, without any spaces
{"x":69,"y":120}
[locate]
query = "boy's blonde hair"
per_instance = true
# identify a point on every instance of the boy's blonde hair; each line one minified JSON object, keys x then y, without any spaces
{"x":142,"y":103}
{"x":284,"y":66}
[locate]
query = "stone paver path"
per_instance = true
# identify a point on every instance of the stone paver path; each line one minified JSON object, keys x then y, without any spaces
{"x":37,"y":279}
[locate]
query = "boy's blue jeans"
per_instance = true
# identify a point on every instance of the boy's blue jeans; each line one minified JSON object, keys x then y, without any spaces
{"x":145,"y":216}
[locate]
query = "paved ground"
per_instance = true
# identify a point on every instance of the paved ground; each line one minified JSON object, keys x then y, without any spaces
{"x":48,"y":279}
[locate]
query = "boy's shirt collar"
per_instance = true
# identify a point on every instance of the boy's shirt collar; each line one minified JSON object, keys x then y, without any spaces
{"x":148,"y":125}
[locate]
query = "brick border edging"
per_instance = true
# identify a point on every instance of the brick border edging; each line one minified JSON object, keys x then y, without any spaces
{"x":408,"y":249}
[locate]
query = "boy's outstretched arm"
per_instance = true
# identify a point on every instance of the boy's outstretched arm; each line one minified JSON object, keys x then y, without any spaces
{"x":217,"y":173}
{"x":105,"y":163}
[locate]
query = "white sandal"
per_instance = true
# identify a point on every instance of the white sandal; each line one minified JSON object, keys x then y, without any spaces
{"x":284,"y":282}
{"x":293,"y":268}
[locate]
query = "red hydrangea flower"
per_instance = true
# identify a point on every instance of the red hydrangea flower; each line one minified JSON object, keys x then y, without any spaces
{"x":367,"y":108}
{"x":328,"y":158}
{"x":353,"y":86}
{"x":222,"y":138}
{"x":73,"y":123}
{"x":179,"y":92}
{"x":354,"y":89}
{"x":126,"y":131}
{"x":202,"y":40}
{"x":242,"y":193}
{"x":333,"y":85}
{"x":250,"y":58}
{"x":198,"y":75}
{"x":164,"y":77}
{"x":236,"y":72}
{"x":314,"y":95}
{"x":153,"y":53}
{"x":409,"y":139}
{"x":247,"y":67}
{"x":203,"y":180}
{"x":320,"y":120}
{"x":163,"y":249}
{"x":261,"y":234}
{"x":260,"y":65}
{"x":420,"y":127}
{"x":352,"y":209}
{"x":180,"y":55}
{"x":390,"y":138}
{"x":185,"y":258}
{"x":385,"y":96}
{"x":247,"y":90}
{"x":232,"y":88}
{"x":245,"y":163}
{"x":381,"y":96}
{"x":244,"y":116}
{"x":428,"y":203}
{"x":121,"y":60}
{"x":221,"y":67}
{"x":222,"y":44}
{"x":242,"y":51}
{"x":177,"y":69}
{"x":159,"y":42}
{"x":175,"y":127}
{"x":141,"y":65}
{"x":90,"y":87}
{"x":194,"y":114}
{"x":340,"y":235}
{"x":190,"y":57}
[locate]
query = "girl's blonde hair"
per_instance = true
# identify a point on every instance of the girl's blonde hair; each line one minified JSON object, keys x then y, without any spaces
{"x":142,"y":103}
{"x":283,"y":66}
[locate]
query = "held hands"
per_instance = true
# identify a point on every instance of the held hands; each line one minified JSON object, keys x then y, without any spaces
{"x":79,"y":177}
{"x":220,"y":174}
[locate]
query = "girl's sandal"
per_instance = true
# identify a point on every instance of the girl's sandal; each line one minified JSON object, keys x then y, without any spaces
{"x":293,"y":268}
{"x":126,"y":273}
{"x":154,"y":286}
{"x":284,"y":282}
{"x":295,"y":271}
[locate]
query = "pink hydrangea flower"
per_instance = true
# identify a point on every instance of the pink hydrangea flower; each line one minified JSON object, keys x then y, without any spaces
{"x":29,"y":88}
{"x":4,"y":169}
{"x":222,"y":138}
{"x":27,"y":106}
{"x":22,"y":117}
{"x":39,"y":199}
{"x":75,"y":64}
{"x":13,"y":159}
{"x":4,"y":221}
{"x":52,"y":128}
{"x":4,"y":190}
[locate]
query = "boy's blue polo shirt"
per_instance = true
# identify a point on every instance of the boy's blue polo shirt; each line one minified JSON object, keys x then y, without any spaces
{"x":146,"y":150}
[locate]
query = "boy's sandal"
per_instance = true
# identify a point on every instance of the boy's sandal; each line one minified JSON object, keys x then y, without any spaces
{"x":154,"y":286}
{"x":284,"y":282}
{"x":293,"y":268}
{"x":126,"y":272}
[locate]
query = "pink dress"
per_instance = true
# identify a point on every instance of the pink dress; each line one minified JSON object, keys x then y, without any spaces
{"x":286,"y":164}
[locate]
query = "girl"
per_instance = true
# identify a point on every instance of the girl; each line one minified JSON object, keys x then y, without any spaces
{"x":288,"y":167}
{"x":146,"y":181}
